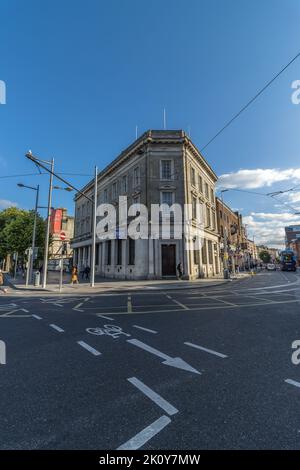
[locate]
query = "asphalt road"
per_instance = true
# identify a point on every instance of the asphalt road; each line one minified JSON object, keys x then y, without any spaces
{"x":186,"y":369}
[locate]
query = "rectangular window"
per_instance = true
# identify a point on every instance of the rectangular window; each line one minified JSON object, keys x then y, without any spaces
{"x":194,"y":208}
{"x":208,"y":221}
{"x":136,"y":176}
{"x":105,"y":198}
{"x":124,"y":184}
{"x":166,"y":169}
{"x":193,"y":176}
{"x":166,"y":198}
{"x":131,"y":252}
{"x":196,"y":255}
{"x":108,"y":252}
{"x":203,"y":249}
{"x":119,"y":252}
{"x":200,"y":184}
{"x":210,"y":252}
{"x":212,"y":196}
{"x":206,"y":190}
{"x":114,"y":190}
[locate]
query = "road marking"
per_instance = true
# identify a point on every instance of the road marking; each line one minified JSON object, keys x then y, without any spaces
{"x":89,"y":348}
{"x":144,"y":329}
{"x":292,"y":382}
{"x":179,"y":303}
{"x":144,"y":436}
{"x":57,"y":328}
{"x":160,"y":401}
{"x":211,"y":351}
{"x":37,"y":317}
{"x":129,"y":304}
{"x":214,"y":307}
{"x":77,"y":306}
{"x":167,"y":360}
{"x":103,"y":316}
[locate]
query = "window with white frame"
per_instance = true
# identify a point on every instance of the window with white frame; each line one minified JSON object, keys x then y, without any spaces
{"x":166,"y":169}
{"x":194,"y":208}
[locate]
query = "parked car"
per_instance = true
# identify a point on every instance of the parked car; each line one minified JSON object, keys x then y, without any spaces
{"x":271,"y":267}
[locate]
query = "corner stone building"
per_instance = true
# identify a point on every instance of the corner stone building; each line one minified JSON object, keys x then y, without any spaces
{"x":159,"y":167}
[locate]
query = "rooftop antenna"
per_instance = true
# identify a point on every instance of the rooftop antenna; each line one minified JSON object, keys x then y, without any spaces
{"x":189,"y":131}
{"x":165,"y":119}
{"x":136,"y":132}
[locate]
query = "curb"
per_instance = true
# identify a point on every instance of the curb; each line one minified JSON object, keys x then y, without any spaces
{"x":126,"y":289}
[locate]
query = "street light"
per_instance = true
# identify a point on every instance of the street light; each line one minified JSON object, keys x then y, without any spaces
{"x":225,"y":257}
{"x":29,"y":274}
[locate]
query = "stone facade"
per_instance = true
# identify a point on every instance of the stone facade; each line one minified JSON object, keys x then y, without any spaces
{"x":159,"y":167}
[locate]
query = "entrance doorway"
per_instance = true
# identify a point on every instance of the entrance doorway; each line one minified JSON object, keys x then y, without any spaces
{"x":168,"y":260}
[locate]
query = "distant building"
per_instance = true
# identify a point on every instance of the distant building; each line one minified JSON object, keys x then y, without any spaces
{"x":60,"y":222}
{"x":230,"y":227}
{"x":274,"y":252}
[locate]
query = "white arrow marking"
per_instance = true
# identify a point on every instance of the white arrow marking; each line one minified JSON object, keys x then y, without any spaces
{"x":146,"y":434}
{"x":168,"y":361}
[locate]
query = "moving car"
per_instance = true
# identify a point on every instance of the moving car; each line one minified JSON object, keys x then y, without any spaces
{"x":271,"y":267}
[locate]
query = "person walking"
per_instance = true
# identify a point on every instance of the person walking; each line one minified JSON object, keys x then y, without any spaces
{"x":74,"y":275}
{"x":179,"y":270}
{"x":87,"y":273}
{"x":2,"y":282}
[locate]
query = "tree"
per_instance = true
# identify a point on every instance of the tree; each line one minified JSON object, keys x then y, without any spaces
{"x":16,"y":226}
{"x":265,"y":256}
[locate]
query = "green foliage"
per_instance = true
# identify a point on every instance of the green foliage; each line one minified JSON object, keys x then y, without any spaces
{"x":265,"y":256}
{"x":16,"y":227}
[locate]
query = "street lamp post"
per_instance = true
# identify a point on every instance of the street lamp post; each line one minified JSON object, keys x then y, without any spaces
{"x":225,"y":257}
{"x":46,"y":250}
{"x":31,"y":259}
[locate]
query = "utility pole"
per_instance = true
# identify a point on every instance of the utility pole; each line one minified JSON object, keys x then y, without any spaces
{"x":46,"y":249}
{"x":225,"y":256}
{"x":34,"y":232}
{"x":93,"y":257}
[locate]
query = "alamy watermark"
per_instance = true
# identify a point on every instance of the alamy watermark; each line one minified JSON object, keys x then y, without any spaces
{"x":296,"y":354}
{"x":163,"y":222}
{"x":296,"y":94}
{"x":2,"y":353}
{"x":2,"y":92}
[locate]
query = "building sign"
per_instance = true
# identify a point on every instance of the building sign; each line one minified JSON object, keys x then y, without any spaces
{"x":56,"y":221}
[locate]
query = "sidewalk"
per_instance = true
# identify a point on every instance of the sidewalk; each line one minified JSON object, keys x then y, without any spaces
{"x":108,"y":285}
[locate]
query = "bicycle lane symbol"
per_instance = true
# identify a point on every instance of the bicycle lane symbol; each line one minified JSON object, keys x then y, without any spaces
{"x":108,"y":330}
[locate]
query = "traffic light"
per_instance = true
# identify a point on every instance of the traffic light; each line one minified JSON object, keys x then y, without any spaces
{"x":64,"y":249}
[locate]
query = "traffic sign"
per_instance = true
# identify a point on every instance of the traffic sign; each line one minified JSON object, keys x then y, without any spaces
{"x":62,"y":236}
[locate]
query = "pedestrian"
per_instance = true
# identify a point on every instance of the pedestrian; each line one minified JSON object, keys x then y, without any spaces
{"x":179,"y":270}
{"x":74,"y":275}
{"x":87,"y":273}
{"x":2,"y":282}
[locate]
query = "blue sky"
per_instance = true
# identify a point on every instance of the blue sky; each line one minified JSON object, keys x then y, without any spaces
{"x":80,"y":75}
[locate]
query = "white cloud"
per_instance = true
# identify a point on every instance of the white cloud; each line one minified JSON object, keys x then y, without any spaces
{"x":268,"y":228}
{"x":258,"y":178}
{"x":4,"y":204}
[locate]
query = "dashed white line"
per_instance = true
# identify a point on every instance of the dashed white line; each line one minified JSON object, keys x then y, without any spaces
{"x":57,"y":328}
{"x":77,"y":306}
{"x":292,"y":382}
{"x":206,"y":349}
{"x":145,"y":329}
{"x":146,"y":434}
{"x":37,"y":317}
{"x":89,"y":348}
{"x":160,"y":401}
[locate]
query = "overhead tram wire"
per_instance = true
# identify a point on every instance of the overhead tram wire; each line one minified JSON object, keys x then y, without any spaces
{"x":249,"y":102}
